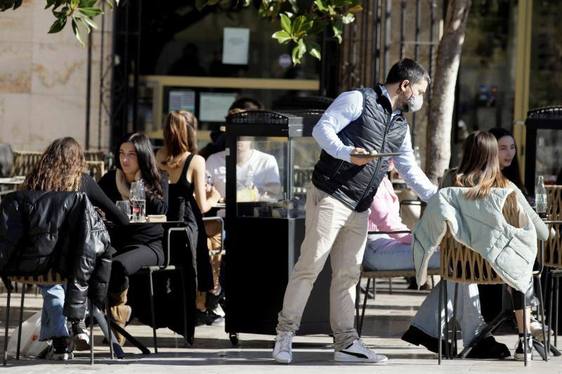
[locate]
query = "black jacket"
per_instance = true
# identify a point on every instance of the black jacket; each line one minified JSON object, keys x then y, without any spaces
{"x":355,"y":186}
{"x":40,"y":231}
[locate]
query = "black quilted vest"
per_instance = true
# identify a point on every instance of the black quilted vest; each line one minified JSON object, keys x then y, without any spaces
{"x":355,"y":186}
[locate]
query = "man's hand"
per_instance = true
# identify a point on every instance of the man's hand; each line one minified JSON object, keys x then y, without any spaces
{"x":360,"y":160}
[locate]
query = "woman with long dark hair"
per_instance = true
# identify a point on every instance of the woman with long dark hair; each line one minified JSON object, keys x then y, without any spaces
{"x":139,"y":244}
{"x":61,"y":168}
{"x":507,"y":155}
{"x":190,"y":197}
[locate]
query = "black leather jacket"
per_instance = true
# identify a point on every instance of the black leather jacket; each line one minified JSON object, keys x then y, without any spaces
{"x":375,"y":129}
{"x":40,"y":231}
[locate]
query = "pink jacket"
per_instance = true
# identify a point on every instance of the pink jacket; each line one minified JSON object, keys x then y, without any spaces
{"x":385,"y":213}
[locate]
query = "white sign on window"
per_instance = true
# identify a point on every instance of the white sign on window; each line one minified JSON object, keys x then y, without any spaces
{"x":236,"y":42}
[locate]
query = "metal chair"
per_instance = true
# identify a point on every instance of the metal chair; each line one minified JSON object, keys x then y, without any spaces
{"x":50,"y":279}
{"x":553,"y":253}
{"x":170,"y":266}
{"x":373,"y":275}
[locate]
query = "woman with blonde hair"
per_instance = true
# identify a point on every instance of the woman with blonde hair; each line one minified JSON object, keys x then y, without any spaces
{"x":61,"y":168}
{"x":189,"y":196}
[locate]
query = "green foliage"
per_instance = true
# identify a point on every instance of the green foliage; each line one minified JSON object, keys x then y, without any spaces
{"x":80,"y":12}
{"x":301,"y":21}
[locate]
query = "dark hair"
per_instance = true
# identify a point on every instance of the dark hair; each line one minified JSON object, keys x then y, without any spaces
{"x":511,"y":172}
{"x":407,"y":69}
{"x":245,"y":103}
{"x":147,"y":163}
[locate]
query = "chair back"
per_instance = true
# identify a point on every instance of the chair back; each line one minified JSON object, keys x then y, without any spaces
{"x":461,"y":264}
{"x":553,"y":246}
{"x":24,"y":161}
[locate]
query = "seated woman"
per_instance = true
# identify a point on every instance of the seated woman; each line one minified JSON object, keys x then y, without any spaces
{"x":479,"y":170}
{"x":391,"y":251}
{"x":61,"y":168}
{"x":189,"y":198}
{"x":139,"y":244}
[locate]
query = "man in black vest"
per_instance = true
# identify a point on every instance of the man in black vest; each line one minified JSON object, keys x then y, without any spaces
{"x":367,"y":120}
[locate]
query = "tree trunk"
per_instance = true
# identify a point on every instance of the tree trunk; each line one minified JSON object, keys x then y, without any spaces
{"x":443,"y":93}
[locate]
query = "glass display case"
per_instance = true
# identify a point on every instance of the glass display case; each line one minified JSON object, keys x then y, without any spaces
{"x":269,"y":162}
{"x":543,"y":153}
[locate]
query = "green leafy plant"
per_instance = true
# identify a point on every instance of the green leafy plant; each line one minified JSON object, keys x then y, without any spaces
{"x":81,"y":14}
{"x":301,"y":21}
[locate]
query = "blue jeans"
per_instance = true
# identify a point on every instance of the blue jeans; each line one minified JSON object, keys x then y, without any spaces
{"x":385,"y":253}
{"x":53,"y":322}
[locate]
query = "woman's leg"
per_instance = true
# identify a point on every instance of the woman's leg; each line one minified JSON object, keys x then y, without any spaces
{"x":385,"y":253}
{"x":53,"y":322}
{"x":129,"y":261}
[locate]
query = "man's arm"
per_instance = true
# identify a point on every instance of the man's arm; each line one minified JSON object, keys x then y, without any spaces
{"x":411,"y":172}
{"x":347,"y":107}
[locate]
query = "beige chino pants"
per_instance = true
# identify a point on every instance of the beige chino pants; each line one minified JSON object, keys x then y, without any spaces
{"x":336,"y":230}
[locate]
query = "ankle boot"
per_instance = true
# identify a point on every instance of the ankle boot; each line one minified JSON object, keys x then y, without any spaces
{"x":120,"y":312}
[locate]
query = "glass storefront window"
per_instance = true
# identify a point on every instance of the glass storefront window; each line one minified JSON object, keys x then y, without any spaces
{"x":486,"y":84}
{"x":546,"y":55}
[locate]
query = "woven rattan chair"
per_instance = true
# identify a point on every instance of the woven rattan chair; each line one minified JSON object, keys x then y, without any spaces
{"x":553,"y":253}
{"x":461,"y":264}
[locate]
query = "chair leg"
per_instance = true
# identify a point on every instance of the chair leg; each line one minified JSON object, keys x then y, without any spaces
{"x":550,"y":306}
{"x":446,"y":309}
{"x":454,"y":321}
{"x":357,"y":301}
{"x":184,"y":300}
{"x":525,"y":334}
{"x":91,"y":304}
{"x":439,"y":321}
{"x":543,"y":321}
{"x":7,"y":323}
{"x":360,"y":327}
{"x":23,"y":287}
{"x":390,"y":286}
{"x":556,"y":297}
{"x":152,"y":312}
{"x":109,"y":330}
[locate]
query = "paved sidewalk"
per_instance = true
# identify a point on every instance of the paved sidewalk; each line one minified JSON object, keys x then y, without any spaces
{"x":213,"y":353}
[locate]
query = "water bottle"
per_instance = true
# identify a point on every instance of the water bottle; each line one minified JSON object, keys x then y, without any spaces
{"x":138,"y":201}
{"x":540,"y":197}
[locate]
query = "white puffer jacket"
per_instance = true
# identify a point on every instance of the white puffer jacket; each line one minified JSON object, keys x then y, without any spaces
{"x":481,"y":226}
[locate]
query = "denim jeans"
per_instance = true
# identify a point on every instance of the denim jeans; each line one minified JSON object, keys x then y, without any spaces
{"x":468,"y":315}
{"x":385,"y":253}
{"x":53,"y":322}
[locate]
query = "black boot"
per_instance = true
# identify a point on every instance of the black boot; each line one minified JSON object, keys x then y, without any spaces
{"x":489,"y":348}
{"x":416,"y":336}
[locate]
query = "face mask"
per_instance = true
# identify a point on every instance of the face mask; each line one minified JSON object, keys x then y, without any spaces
{"x":414,"y":103}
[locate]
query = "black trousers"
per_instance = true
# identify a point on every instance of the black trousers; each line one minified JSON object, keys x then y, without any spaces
{"x":131,"y":259}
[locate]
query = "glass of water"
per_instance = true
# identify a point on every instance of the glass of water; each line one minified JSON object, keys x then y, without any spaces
{"x":125,"y":207}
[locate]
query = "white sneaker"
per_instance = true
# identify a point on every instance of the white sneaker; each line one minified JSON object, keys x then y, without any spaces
{"x":358,"y":352}
{"x":282,"y":352}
